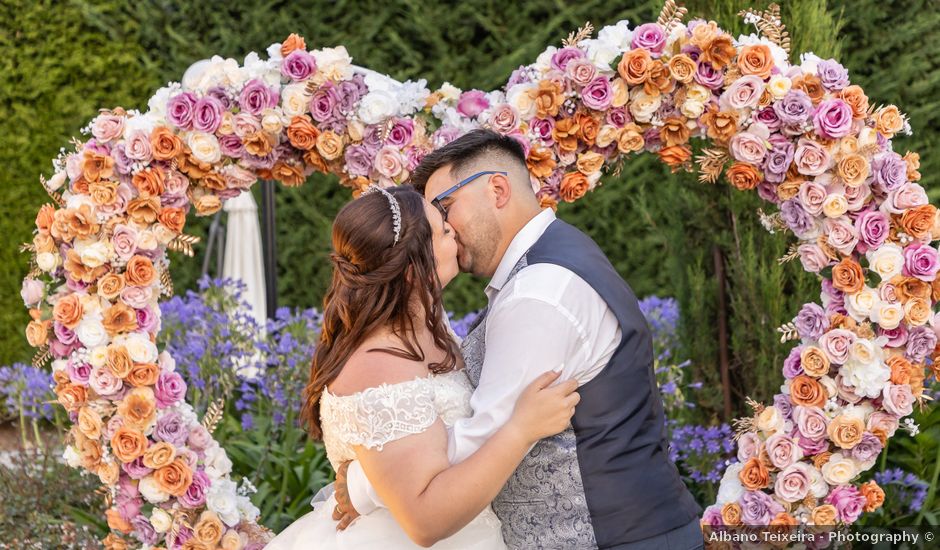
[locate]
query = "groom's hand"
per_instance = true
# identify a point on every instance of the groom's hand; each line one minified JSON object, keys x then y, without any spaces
{"x":344,"y":512}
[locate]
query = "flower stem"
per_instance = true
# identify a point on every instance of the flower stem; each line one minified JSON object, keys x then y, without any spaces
{"x":932,"y":490}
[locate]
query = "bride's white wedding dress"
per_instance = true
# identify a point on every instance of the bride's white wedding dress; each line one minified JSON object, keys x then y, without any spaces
{"x":373,"y":418}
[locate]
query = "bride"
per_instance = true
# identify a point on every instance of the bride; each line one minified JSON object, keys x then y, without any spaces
{"x":386,"y":383}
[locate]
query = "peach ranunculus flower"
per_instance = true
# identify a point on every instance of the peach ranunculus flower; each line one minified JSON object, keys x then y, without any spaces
{"x":846,"y":431}
{"x":541,"y":162}
{"x":173,"y":218}
{"x":565,"y":134}
{"x":128,"y":444}
{"x":548,"y":98}
{"x":71,"y":396}
{"x":721,"y":126}
{"x":573,"y":186}
{"x":290,"y":174}
{"x":138,"y":408}
{"x":139,"y":271}
{"x":89,"y":423}
{"x":754,"y":475}
{"x":144,"y":210}
{"x":590,"y":162}
{"x":120,"y":318}
{"x":159,"y":455}
{"x":919,"y":220}
{"x":588,"y":127}
{"x":853,"y":169}
{"x":824,"y":515}
{"x":630,"y":139}
{"x":150,"y":181}
{"x":116,"y":522}
{"x":682,"y":68}
{"x":174,"y":478}
{"x":720,"y":51}
{"x":119,"y":361}
{"x":731,"y":514}
{"x":674,"y":132}
{"x":757,"y":60}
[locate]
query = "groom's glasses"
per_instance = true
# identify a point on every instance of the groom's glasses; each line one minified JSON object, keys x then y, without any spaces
{"x":437,"y":200}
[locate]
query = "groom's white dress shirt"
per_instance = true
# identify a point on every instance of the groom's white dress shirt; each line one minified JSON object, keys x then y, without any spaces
{"x":544,"y":318}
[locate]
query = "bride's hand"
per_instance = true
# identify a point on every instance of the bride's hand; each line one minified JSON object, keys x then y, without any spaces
{"x":544,"y":410}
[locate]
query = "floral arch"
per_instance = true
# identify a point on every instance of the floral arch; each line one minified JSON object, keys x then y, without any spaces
{"x":801,"y":135}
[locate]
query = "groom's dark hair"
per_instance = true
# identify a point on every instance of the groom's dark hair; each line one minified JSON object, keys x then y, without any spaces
{"x":465,"y":150}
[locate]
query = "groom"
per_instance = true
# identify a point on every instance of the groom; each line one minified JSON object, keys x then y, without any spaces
{"x":553,"y":299}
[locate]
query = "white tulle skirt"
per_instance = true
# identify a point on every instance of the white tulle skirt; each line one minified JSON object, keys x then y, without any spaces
{"x":317,"y":530}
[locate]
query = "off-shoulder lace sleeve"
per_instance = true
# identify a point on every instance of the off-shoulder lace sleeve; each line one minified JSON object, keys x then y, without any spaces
{"x":379,"y":415}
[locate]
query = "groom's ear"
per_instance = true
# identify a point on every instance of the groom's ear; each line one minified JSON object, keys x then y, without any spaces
{"x":501,"y":188}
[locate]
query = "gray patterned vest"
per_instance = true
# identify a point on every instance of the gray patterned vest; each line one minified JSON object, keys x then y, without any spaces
{"x":607,"y":480}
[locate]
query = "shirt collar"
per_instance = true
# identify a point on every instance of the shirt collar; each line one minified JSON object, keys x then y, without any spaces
{"x":520,"y":244}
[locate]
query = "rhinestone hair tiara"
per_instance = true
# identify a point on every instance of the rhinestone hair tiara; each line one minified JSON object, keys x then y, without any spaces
{"x":393,"y":204}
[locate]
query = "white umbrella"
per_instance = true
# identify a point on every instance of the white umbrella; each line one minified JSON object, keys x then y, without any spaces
{"x":242,"y":258}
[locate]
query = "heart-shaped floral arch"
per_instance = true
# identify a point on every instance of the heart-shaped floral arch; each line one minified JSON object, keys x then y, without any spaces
{"x":801,"y":135}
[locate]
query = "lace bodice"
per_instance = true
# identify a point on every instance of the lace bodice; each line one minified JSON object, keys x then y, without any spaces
{"x":379,"y":415}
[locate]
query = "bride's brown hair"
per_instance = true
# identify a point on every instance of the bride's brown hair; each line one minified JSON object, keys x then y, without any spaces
{"x":374,"y":280}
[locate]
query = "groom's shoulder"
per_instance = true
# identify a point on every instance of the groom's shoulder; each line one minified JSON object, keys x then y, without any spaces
{"x":547,"y":282}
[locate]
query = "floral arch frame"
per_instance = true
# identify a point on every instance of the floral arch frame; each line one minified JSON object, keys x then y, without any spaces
{"x":801,"y":135}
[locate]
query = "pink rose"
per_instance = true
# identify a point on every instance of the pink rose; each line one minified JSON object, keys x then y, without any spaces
{"x":898,"y":399}
{"x":884,"y":421}
{"x":793,"y":483}
{"x":812,"y":196}
{"x":782,"y":450}
{"x":176,"y":183}
{"x":841,"y":234}
{"x":837,"y":343}
{"x":124,"y":241}
{"x":857,"y":197}
{"x":750,"y":148}
{"x":873,"y":228}
{"x":199,"y":438}
{"x":811,"y":422}
{"x":543,"y":129}
{"x":811,"y":158}
{"x":833,"y":119}
{"x":389,"y":162}
{"x":504,"y":118}
{"x":245,"y":124}
{"x":472,"y":103}
{"x":813,"y":258}
{"x":744,"y":93}
{"x":649,"y":36}
{"x":169,"y":389}
{"x":581,"y":70}
{"x":908,"y":195}
{"x":107,"y":127}
{"x":848,"y":501}
{"x":138,"y":147}
{"x":103,"y":382}
{"x":32,"y":292}
{"x":597,"y":94}
{"x":749,"y":446}
{"x":137,"y":296}
{"x":921,"y":261}
{"x":237,"y":177}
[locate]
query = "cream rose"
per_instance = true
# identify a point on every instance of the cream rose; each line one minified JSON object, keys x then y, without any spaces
{"x":839,"y":470}
{"x":698,"y":93}
{"x":887,"y":260}
{"x":91,"y":333}
{"x":47,"y":261}
{"x":779,"y":85}
{"x":377,"y":106}
{"x":861,"y":304}
{"x":888,"y":316}
{"x":294,"y":99}
{"x":835,"y":205}
{"x":151,"y":491}
{"x":642,"y":105}
{"x":204,"y":147}
{"x":160,"y":520}
{"x":692,"y":109}
{"x":95,"y":254}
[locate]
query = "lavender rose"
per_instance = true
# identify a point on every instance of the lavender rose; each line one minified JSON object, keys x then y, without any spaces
{"x":401,"y":132}
{"x":867,"y":449}
{"x":889,"y":170}
{"x":472,"y":103}
{"x":848,"y":502}
{"x":298,"y":65}
{"x":832,"y":74}
{"x":707,"y":75}
{"x":171,"y":428}
{"x":257,"y":96}
{"x":324,"y":104}
{"x":811,"y":322}
{"x":833,"y":119}
{"x":921,"y":342}
{"x":873,"y":228}
{"x":921,"y":261}
{"x":797,"y":218}
{"x":562,"y":57}
{"x":195,"y":495}
{"x":794,"y":108}
{"x":758,"y":508}
{"x":792,"y":365}
{"x":169,"y":389}
{"x":650,"y":37}
{"x":208,"y":114}
{"x":597,"y":94}
{"x":179,"y":110}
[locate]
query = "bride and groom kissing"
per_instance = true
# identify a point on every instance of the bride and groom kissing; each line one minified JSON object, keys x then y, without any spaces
{"x":484,"y":443}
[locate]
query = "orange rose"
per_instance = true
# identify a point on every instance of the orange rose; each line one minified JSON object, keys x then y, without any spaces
{"x":213,"y":180}
{"x":329,"y":145}
{"x":674,"y":131}
{"x":590,"y":162}
{"x":703,"y":34}
{"x":682,"y":68}
{"x":888,"y":121}
{"x":720,"y":126}
{"x":96,"y":166}
{"x":731,"y":514}
{"x":209,"y":528}
{"x":259,"y":143}
{"x":165,"y":144}
{"x":901,"y":369}
{"x":874,"y":495}
{"x":144,"y":374}
{"x":587,"y":128}
{"x":139,"y":408}
{"x":119,"y":318}
{"x":143,"y":210}
{"x":754,"y":474}
{"x":846,"y":431}
{"x":675,"y":156}
{"x":855,"y":97}
{"x":149,"y":181}
{"x":824,"y":515}
{"x":565,"y":134}
{"x":814,"y":361}
{"x":173,"y":219}
{"x":913,"y":165}
{"x":719,"y":52}
{"x":116,"y":522}
{"x":71,"y":396}
{"x":128,"y":444}
{"x":743,"y":176}
{"x":541,"y":162}
{"x":302,"y":133}
{"x":139,"y":271}
{"x":853,"y":169}
{"x":159,"y":455}
{"x":68,"y":311}
{"x":290,"y":174}
{"x":634,"y":66}
{"x":109,"y":472}
{"x":44,"y":218}
{"x":918,"y":221}
{"x":111,"y":285}
{"x":812,"y":85}
{"x":37,"y":333}
{"x":114,"y":542}
{"x":119,"y":361}
{"x":848,"y":277}
{"x":548,"y":202}
{"x":756,"y":60}
{"x":314,"y":160}
{"x":103,"y":192}
{"x":174,"y":478}
{"x":807,"y":391}
{"x":910,"y":287}
{"x":291,"y":43}
{"x":630,"y":139}
{"x":659,"y":80}
{"x":89,"y":423}
{"x":917,"y":312}
{"x":547,"y":98}
{"x":206,"y":205}
{"x":573,"y":186}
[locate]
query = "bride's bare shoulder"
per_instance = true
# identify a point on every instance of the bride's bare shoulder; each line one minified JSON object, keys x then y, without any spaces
{"x":369,"y":369}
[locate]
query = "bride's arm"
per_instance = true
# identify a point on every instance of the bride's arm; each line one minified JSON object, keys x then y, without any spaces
{"x":431,"y":499}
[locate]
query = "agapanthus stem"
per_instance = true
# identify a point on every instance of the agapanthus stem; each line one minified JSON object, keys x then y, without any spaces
{"x":931,"y":490}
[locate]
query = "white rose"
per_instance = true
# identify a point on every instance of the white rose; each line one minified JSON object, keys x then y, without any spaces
{"x":151,"y":491}
{"x":779,"y":85}
{"x":818,"y":486}
{"x":205,"y":147}
{"x":886,"y":260}
{"x":867,"y":136}
{"x":146,"y":240}
{"x":47,"y":261}
{"x":617,"y":36}
{"x":139,"y":347}
{"x":221,"y":499}
{"x":294,"y":100}
{"x":71,"y":457}
{"x":864,"y":351}
{"x":835,"y":205}
{"x":831,"y":387}
{"x":163,"y":234}
{"x":98,"y":356}
{"x":59,"y":364}
{"x":888,"y":316}
{"x":601,"y":53}
{"x":92,"y":305}
{"x":698,"y":93}
{"x":56,"y":181}
{"x":642,"y":105}
{"x":860,"y":304}
{"x":94,"y":254}
{"x":166,"y":361}
{"x":333,"y":64}
{"x":730,"y":489}
{"x":519,"y":96}
{"x":217,"y":463}
{"x":91,"y":332}
{"x":246,"y":509}
{"x":809,"y":62}
{"x":449,"y":92}
{"x":160,"y":520}
{"x":692,"y":109}
{"x":543,"y":63}
{"x":377,"y":106}
{"x":272,"y":121}
{"x":839,"y":470}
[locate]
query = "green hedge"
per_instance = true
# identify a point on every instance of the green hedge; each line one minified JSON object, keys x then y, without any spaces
{"x":62,"y":61}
